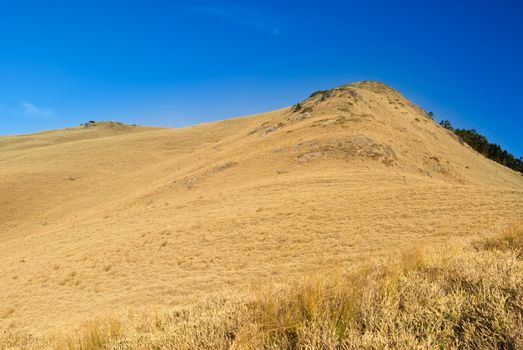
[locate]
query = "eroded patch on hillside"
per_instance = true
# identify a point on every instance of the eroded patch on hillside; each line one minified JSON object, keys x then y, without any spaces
{"x":352,"y":147}
{"x":341,"y":120}
{"x":267,"y":128}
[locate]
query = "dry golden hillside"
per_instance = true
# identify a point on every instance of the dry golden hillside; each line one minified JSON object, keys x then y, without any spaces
{"x":107,"y":217}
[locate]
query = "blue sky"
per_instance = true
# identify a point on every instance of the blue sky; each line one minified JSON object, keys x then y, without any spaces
{"x":175,"y":63}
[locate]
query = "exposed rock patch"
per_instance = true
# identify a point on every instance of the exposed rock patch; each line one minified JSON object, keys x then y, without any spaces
{"x":223,"y":167}
{"x":341,"y":120}
{"x":435,"y":165}
{"x":190,"y":182}
{"x":355,"y":147}
{"x":267,"y":128}
{"x":107,"y":124}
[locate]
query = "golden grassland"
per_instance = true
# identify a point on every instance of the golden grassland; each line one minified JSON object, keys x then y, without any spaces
{"x":113,"y":219}
{"x":468,"y":296}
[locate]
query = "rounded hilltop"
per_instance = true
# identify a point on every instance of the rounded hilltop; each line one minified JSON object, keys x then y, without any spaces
{"x":355,"y":90}
{"x":374,"y":85}
{"x":359,"y":97}
{"x":371,"y":85}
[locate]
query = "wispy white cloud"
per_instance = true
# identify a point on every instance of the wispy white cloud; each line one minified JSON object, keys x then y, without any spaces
{"x":246,"y":17}
{"x":30,"y":109}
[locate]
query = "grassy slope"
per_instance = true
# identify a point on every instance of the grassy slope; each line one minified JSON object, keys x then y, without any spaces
{"x":103,"y":218}
{"x":466,"y":297}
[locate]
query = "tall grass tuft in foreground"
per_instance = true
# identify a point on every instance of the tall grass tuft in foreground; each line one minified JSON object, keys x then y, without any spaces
{"x":510,"y":240}
{"x":94,"y":334}
{"x":458,"y":298}
{"x":470,"y":299}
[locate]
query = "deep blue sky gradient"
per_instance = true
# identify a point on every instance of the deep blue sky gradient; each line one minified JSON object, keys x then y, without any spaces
{"x":175,"y":63}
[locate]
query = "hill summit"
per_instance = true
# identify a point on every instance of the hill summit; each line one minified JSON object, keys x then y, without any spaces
{"x":118,"y":216}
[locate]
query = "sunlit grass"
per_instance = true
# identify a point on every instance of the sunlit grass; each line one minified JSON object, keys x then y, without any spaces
{"x":466,"y":297}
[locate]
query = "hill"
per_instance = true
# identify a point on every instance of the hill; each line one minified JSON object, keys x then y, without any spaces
{"x":111,"y":217}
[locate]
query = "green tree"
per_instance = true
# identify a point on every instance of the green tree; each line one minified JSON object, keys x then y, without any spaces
{"x":490,"y":150}
{"x":446,"y":124}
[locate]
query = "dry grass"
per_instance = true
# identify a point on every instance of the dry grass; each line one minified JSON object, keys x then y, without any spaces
{"x":94,"y":334}
{"x":467,"y":297}
{"x":161,"y":217}
{"x":510,"y":239}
